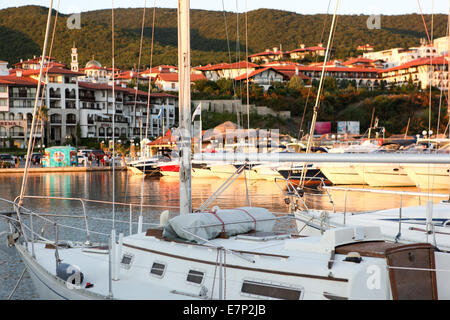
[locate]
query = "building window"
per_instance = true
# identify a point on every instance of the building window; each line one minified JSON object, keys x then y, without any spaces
{"x":158,"y":269}
{"x":3,"y":132}
{"x":3,"y":88}
{"x":258,"y":289}
{"x":3,"y":102}
{"x":16,"y":131}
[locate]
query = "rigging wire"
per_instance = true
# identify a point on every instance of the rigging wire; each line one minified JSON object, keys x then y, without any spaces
{"x":228,"y":44}
{"x":150,"y":78}
{"x":321,"y":83}
{"x":249,"y":194}
{"x":139,"y":66}
{"x":33,"y":122}
{"x":44,"y":86}
{"x":317,"y":59}
{"x":114,"y":116}
{"x":430,"y":80}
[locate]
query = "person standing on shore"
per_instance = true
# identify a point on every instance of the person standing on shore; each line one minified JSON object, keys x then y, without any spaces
{"x":90,"y":159}
{"x":17,"y":161}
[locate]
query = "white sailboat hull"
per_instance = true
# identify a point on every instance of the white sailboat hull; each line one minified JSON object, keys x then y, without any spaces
{"x":412,"y":231}
{"x":299,"y":265}
{"x":47,"y":285}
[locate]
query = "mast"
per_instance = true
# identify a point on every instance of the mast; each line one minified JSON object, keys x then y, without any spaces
{"x":35,"y":109}
{"x":319,"y":91}
{"x":184,"y":101}
{"x":448,"y":68}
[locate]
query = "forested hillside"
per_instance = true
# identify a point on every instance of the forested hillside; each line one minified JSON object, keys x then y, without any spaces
{"x":22,"y":31}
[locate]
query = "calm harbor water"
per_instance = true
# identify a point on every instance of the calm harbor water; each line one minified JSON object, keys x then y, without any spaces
{"x":148,"y":191}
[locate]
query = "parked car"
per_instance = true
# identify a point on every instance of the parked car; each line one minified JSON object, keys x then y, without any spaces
{"x":82,"y":160}
{"x":36,"y":158}
{"x":99,"y":154}
{"x":84,"y":152}
{"x":7,"y":160}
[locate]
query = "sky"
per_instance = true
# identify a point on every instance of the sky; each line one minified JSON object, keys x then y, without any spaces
{"x":386,"y":7}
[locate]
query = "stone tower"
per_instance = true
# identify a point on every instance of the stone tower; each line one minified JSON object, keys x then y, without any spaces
{"x":74,"y":59}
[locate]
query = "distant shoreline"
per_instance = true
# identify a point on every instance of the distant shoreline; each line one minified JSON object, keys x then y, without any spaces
{"x":61,"y":169}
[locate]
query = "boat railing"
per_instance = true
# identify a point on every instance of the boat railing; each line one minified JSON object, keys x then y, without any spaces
{"x":401,"y":194}
{"x":50,"y":218}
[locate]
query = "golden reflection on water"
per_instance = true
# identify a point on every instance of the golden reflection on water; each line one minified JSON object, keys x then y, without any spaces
{"x":164,"y":191}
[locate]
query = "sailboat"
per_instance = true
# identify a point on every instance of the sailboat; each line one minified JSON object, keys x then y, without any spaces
{"x":222,"y":254}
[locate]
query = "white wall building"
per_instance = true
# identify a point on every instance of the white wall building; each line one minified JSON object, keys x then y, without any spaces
{"x":398,"y":56}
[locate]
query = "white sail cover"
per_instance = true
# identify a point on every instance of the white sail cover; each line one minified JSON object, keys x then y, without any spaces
{"x":208,"y":225}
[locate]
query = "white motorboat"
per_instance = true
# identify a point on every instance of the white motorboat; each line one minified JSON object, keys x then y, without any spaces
{"x":147,"y":166}
{"x":384,"y":175}
{"x":266,"y":171}
{"x":430,"y":176}
{"x":341,"y":173}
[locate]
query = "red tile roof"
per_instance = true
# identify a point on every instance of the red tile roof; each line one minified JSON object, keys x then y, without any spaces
{"x":338,"y":69}
{"x":358,"y":60}
{"x":13,"y":80}
{"x":267,"y":53}
{"x":50,"y":70}
{"x":173,"y":77}
{"x":35,"y":60}
{"x":164,"y":69}
{"x":316,"y":48}
{"x":289,"y":73}
{"x":223,"y":66}
{"x":105,"y":86}
{"x":129,"y":75}
{"x":420,"y":62}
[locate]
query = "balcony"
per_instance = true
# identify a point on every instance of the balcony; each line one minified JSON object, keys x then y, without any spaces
{"x":70,"y":97}
{"x":71,"y":105}
{"x":55,"y":104}
{"x":17,"y":135}
{"x":87,"y":98}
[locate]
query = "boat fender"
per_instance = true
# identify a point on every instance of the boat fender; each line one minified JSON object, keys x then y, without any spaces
{"x":353,"y":257}
{"x":301,"y":192}
{"x":69,"y":273}
{"x":215,"y":209}
{"x":380,"y":142}
{"x":12,"y":238}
